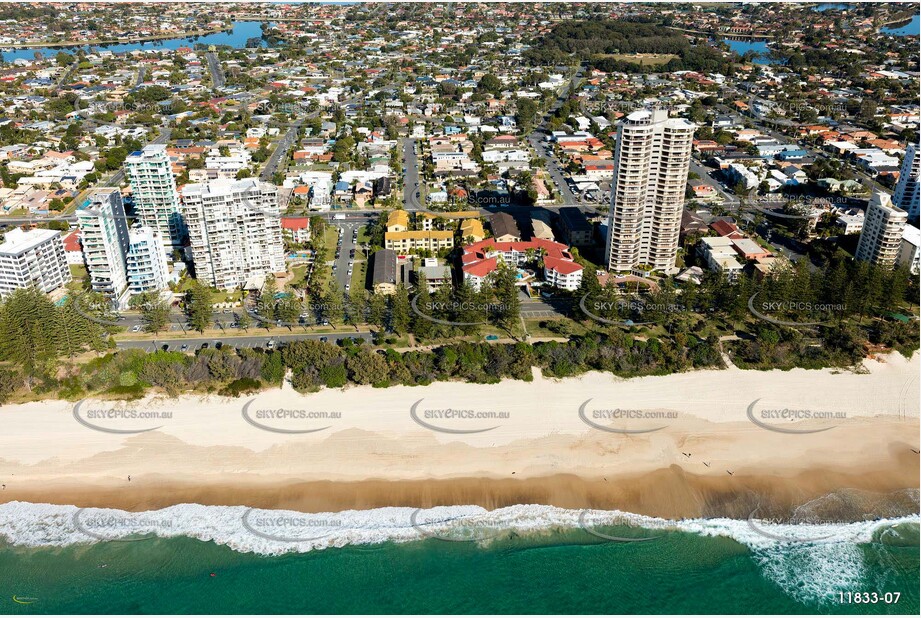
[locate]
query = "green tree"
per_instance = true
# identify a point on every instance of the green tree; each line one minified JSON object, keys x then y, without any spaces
{"x":31,"y":332}
{"x":400,"y":317}
{"x":506,"y":293}
{"x":199,"y":306}
{"x":154,"y":311}
{"x":244,"y":320}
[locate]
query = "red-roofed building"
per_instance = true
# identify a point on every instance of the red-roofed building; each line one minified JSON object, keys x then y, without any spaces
{"x":726,"y":229}
{"x":296,"y":228}
{"x":481,"y":259}
{"x":72,"y":249}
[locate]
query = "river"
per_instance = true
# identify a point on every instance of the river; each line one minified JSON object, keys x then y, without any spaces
{"x":236,"y":37}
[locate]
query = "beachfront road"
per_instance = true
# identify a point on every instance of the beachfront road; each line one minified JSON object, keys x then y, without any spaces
{"x":253,"y":340}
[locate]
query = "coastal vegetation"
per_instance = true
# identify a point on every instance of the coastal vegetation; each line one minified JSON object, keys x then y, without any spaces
{"x":799,"y":317}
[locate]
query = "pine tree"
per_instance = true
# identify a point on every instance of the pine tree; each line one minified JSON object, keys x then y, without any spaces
{"x":198,"y":307}
{"x":400,"y":317}
{"x":31,"y":332}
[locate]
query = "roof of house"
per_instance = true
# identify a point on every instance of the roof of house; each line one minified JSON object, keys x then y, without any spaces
{"x":384,"y":269}
{"x":724,"y":228}
{"x":574,"y":219}
{"x":295,"y":223}
{"x":72,"y":242}
{"x":503,"y":224}
{"x":562,"y":266}
{"x":398,"y":217}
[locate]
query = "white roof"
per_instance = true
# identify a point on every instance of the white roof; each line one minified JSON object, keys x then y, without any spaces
{"x":912,"y":235}
{"x":19,"y":241}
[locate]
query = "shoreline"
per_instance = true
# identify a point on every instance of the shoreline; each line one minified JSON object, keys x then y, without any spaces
{"x":673,"y":494}
{"x":699,"y":444}
{"x":109,"y":42}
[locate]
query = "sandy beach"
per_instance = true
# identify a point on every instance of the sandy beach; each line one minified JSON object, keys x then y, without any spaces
{"x":709,"y":443}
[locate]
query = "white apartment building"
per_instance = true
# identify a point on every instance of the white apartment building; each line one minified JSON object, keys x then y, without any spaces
{"x":156,"y":201}
{"x":104,"y":237}
{"x":33,"y":259}
{"x":906,"y":192}
{"x":910,"y":249}
{"x":227,"y":166}
{"x":651,"y":162}
{"x":146,"y":263}
{"x":235,"y":230}
{"x":881,"y":237}
{"x":721,"y":257}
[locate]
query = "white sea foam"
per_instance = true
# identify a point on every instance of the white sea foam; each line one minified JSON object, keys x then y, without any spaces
{"x":809,"y":562}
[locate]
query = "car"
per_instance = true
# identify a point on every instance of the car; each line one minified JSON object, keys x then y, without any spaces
{"x":136,"y":328}
{"x":218,"y":345}
{"x":204,"y":346}
{"x":270,"y":344}
{"x":324,"y":339}
{"x":165,"y":347}
{"x":226,"y":310}
{"x":183,"y":348}
{"x":347,"y":287}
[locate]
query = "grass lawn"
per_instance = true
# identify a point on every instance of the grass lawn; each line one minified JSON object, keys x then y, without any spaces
{"x":299,"y":273}
{"x":330,"y":236}
{"x":363,"y":236}
{"x":358,"y":275}
{"x":536,"y":330}
{"x":641,"y":59}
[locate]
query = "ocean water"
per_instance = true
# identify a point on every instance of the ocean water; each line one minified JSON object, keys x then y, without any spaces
{"x":526,"y":559}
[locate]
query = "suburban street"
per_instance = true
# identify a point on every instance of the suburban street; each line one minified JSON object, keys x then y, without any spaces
{"x":541,"y":146}
{"x":281,"y":150}
{"x":729,"y":200}
{"x":214,"y":67}
{"x":252,"y":340}
{"x":411,"y":177}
